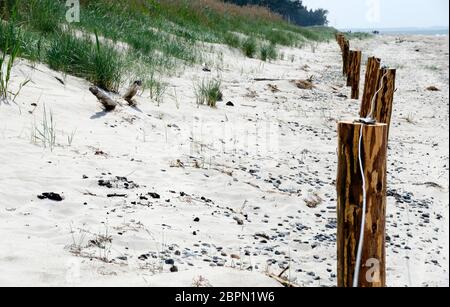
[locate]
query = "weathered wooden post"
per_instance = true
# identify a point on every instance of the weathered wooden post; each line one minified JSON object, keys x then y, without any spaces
{"x":338,"y":38}
{"x":349,"y":67}
{"x":385,"y":98}
{"x":383,"y":104}
{"x":345,"y":56}
{"x":350,"y":203}
{"x":354,"y":72}
{"x":371,"y":85}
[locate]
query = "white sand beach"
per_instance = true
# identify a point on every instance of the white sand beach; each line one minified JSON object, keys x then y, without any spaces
{"x":175,"y":194}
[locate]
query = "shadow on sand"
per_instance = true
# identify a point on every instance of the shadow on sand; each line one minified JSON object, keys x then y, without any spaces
{"x":99,"y":115}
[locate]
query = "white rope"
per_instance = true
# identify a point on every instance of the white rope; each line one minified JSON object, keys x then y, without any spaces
{"x":368,"y":119}
{"x":363,"y":218}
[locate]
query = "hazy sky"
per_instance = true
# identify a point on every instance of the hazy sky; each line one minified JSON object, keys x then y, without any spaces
{"x":384,"y":13}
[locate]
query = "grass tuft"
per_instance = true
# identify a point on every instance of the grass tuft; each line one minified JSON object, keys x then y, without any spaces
{"x":249,"y":47}
{"x":208,"y":92}
{"x":45,"y":133}
{"x":98,"y":63}
{"x":44,"y":15}
{"x":268,"y":52}
{"x":232,"y":40}
{"x":9,"y":51}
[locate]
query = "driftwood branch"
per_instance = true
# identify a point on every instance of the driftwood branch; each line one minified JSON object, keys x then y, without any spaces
{"x":267,"y":79}
{"x":282,"y":281}
{"x":132,"y":91}
{"x":108,"y":103}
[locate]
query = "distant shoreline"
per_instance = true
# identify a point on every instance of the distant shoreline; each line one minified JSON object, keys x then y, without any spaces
{"x":405,"y":31}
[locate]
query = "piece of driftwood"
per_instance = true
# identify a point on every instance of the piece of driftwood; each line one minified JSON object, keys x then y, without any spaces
{"x":132,"y":91}
{"x":273,"y":88}
{"x":267,"y":79}
{"x":304,"y":84}
{"x":282,"y":281}
{"x":433,"y":89}
{"x":108,"y":103}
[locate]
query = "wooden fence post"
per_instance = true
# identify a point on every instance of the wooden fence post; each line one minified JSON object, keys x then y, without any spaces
{"x":371,"y":85}
{"x":354,"y":72}
{"x":339,"y":39}
{"x":345,"y":56}
{"x":384,"y":101}
{"x":350,"y":203}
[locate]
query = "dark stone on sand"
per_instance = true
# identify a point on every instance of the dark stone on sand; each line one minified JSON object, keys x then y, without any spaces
{"x":51,"y":196}
{"x":154,"y":195}
{"x":169,"y":261}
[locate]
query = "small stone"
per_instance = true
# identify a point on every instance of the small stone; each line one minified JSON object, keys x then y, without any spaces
{"x":238,"y":220}
{"x":154,"y":195}
{"x":143,"y":257}
{"x":51,"y":196}
{"x":169,"y":261}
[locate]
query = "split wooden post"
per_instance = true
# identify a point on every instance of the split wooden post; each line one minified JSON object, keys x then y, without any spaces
{"x":384,"y":101}
{"x":350,"y":203}
{"x":371,"y":85}
{"x":354,"y":72}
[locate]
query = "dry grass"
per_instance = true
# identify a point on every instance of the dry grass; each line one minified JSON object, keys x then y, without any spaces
{"x":226,"y":9}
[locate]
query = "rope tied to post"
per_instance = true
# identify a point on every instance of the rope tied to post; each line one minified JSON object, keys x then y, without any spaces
{"x":369,"y":120}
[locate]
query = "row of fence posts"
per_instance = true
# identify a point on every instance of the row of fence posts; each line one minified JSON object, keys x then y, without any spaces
{"x":358,"y":155}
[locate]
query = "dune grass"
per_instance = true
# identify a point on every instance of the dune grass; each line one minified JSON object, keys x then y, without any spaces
{"x":160,"y":35}
{"x":208,"y":92}
{"x":80,"y":56}
{"x":43,"y":15}
{"x":249,"y":47}
{"x":9,"y":51}
{"x":268,"y":52}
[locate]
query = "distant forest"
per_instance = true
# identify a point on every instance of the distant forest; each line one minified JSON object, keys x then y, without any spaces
{"x":292,"y":10}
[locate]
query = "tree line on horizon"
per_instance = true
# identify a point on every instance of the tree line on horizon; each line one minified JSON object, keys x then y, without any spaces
{"x":292,"y":10}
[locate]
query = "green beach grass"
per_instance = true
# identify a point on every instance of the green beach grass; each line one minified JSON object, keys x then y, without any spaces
{"x":160,"y":36}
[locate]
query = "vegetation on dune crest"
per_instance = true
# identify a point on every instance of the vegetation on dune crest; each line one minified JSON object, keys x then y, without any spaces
{"x":78,"y":56}
{"x":154,"y":35}
{"x":294,"y":11}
